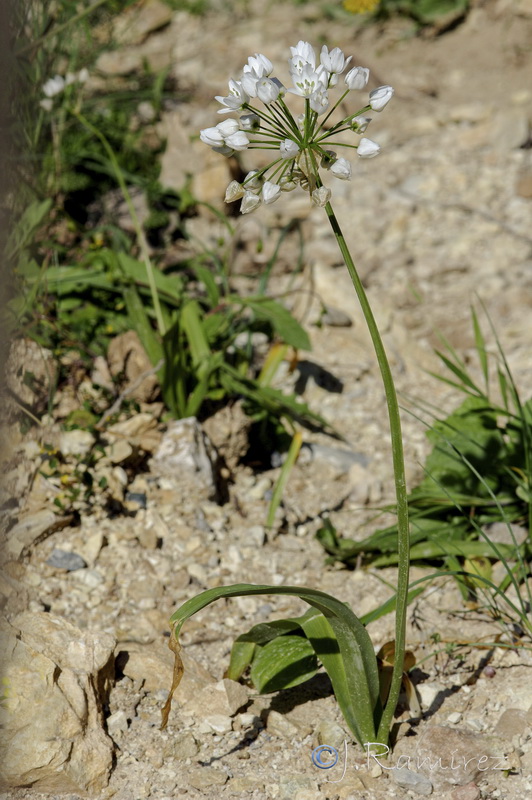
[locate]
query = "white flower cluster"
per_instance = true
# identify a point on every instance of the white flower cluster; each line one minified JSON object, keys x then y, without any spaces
{"x":298,"y":142}
{"x":58,"y":84}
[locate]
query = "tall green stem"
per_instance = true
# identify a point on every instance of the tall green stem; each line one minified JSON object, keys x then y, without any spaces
{"x":399,"y":476}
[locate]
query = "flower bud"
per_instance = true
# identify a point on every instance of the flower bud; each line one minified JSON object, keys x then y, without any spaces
{"x":288,"y":148}
{"x":328,"y":158}
{"x":212,"y":136}
{"x":368,"y":149}
{"x":380,"y":97}
{"x":357,"y":78}
{"x":267,"y":90}
{"x":270,"y":192}
{"x":341,"y":169}
{"x":253,"y":181}
{"x":321,"y":196}
{"x":249,"y":202}
{"x":234,"y":192}
{"x":237,"y":141}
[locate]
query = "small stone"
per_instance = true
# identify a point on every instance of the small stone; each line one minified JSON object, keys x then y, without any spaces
{"x":454,"y":718}
{"x":62,"y":559}
{"x":279,"y":725}
{"x":117,"y":723}
{"x":329,"y":732}
{"x":181,"y":747}
{"x":428,"y":693}
{"x":412,"y":781}
{"x":219,"y":723}
{"x":336,"y":318}
{"x":224,"y":698}
{"x":203,"y":777}
{"x":468,"y":792}
{"x":76,"y":443}
{"x":290,"y":785}
{"x":513,"y":721}
{"x":27,"y":530}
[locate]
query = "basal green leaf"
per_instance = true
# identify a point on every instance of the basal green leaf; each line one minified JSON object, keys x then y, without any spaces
{"x":283,"y":662}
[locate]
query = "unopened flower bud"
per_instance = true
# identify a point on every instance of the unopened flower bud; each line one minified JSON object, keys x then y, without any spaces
{"x":237,"y":141}
{"x":212,"y":136}
{"x":288,"y":148}
{"x":250,"y":201}
{"x":357,"y":78}
{"x":368,"y":149}
{"x":341,"y":169}
{"x":253,"y":181}
{"x":267,"y":90}
{"x":380,"y":97}
{"x":270,"y":192}
{"x":321,"y":196}
{"x":234,"y":192}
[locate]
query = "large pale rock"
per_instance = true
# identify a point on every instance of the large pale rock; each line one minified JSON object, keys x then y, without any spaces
{"x":224,"y":698}
{"x":186,"y":453}
{"x":448,"y":757}
{"x":51,"y":722}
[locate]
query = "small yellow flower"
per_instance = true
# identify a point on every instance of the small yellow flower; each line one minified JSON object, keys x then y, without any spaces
{"x":360,"y":6}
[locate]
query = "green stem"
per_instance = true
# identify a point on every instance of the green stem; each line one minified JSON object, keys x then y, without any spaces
{"x":141,"y":239}
{"x":400,"y":482}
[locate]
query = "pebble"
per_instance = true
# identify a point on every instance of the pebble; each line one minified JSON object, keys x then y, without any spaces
{"x":63,"y":559}
{"x":454,"y":718}
{"x":117,"y":723}
{"x":412,"y":781}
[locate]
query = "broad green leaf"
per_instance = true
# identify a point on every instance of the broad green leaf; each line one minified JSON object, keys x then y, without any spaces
{"x":343,"y":643}
{"x":283,"y":662}
{"x":284,"y":324}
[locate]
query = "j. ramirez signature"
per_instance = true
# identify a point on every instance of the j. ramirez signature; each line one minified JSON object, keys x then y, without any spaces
{"x":417,"y":762}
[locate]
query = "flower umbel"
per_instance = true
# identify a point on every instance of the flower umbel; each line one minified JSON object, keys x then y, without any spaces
{"x":299,"y":144}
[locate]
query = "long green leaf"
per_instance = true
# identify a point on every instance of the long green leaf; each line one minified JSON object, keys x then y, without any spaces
{"x":340,"y":640}
{"x":284,"y":324}
{"x":283,"y":662}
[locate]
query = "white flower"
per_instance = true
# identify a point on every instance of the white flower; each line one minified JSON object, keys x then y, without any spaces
{"x":288,"y":148}
{"x":308,"y":81}
{"x":367,"y":148}
{"x":83,"y":75}
{"x":270,"y":192}
{"x":250,"y":201}
{"x":54,"y":86}
{"x":380,"y":97}
{"x":249,"y":82}
{"x":288,"y":182}
{"x":212,"y":136}
{"x":250,"y":122}
{"x":47,"y":104}
{"x":341,"y":169}
{"x":227,"y":127}
{"x":237,"y":141}
{"x":359,"y":124}
{"x":357,"y":78}
{"x":267,"y":90}
{"x":234,"y":192}
{"x":335,"y":60}
{"x":234,"y":100}
{"x":302,"y":54}
{"x":321,"y":196}
{"x":260,"y":64}
{"x":319,"y":101}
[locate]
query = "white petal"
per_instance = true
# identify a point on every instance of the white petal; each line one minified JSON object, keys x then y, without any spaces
{"x":212,"y":136}
{"x":288,"y":148}
{"x":357,"y":78}
{"x":237,"y":141}
{"x":234,"y":192}
{"x":249,"y":202}
{"x":341,"y":169}
{"x":270,"y":192}
{"x":368,"y":148}
{"x":380,"y":97}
